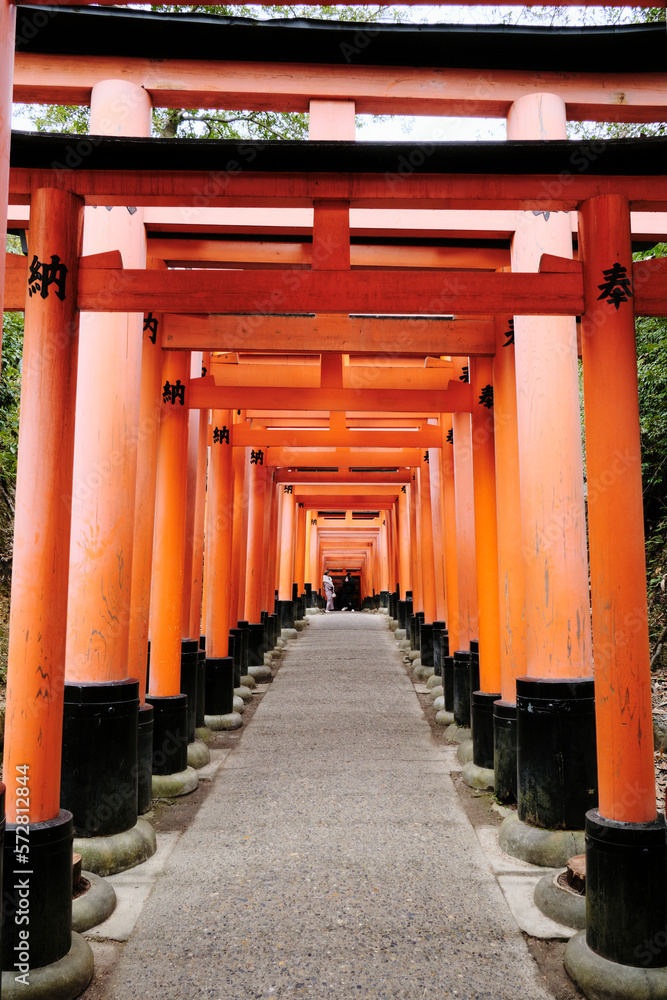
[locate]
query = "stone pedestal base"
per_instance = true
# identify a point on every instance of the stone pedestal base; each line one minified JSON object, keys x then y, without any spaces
{"x":120,"y":851}
{"x":601,"y":979}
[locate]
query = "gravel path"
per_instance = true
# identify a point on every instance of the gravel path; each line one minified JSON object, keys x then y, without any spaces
{"x":332,"y":858}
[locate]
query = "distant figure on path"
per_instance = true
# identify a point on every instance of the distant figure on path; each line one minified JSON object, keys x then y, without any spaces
{"x":348,"y":593}
{"x":328,"y":590}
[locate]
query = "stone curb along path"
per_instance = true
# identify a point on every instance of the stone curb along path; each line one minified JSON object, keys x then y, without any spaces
{"x":332,"y":856}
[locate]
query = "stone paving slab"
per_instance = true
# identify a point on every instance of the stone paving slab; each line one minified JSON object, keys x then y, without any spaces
{"x":331,"y":858}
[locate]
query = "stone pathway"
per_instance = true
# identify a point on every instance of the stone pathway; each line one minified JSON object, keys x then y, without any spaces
{"x":332,"y":858}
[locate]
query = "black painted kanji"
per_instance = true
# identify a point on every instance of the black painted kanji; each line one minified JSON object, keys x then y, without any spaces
{"x":43,"y":275}
{"x":616,"y":286}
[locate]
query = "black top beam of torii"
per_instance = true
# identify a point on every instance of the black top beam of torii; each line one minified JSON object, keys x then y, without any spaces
{"x":108,"y":31}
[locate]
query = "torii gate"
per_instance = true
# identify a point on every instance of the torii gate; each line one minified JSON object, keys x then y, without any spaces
{"x":604,"y":203}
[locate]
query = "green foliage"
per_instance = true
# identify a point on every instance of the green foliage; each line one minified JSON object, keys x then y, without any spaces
{"x":10,"y":394}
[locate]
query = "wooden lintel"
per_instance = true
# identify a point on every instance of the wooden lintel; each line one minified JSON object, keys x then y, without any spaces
{"x":164,"y":188}
{"x":456,"y":399}
{"x":373,"y":292}
{"x":344,"y":477}
{"x":323,"y":334}
{"x":343,"y":458}
{"x":242,"y":436}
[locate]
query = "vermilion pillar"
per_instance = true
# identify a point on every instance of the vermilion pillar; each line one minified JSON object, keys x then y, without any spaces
{"x":404,"y":561}
{"x":38,"y":617}
{"x":315,"y":577}
{"x":486,"y":555}
{"x":555,"y":709}
{"x":552,"y":497}
{"x":435,"y":477}
{"x":486,"y":541}
{"x":272,"y":536}
{"x":197,"y":612}
{"x":413,"y":503}
{"x":510,"y":559}
{"x":465,"y":530}
{"x":449,"y":531}
{"x":105,"y":457}
{"x":300,"y":547}
{"x":286,"y":547}
{"x":190,"y":505}
{"x":427,"y":563}
{"x":626,"y":852}
{"x":142,"y":547}
{"x":615,"y":517}
{"x":240,"y":513}
{"x":256,"y":553}
{"x":103,"y":502}
{"x":38,"y":614}
{"x":218,"y":554}
{"x":169,"y":547}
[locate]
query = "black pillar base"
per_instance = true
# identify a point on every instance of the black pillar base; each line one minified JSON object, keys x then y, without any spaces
{"x":256,"y":645}
{"x":286,"y":614}
{"x":626,"y":891}
{"x":189,"y":661}
{"x":504,"y":750}
{"x":201,"y":683}
{"x":448,"y":682}
{"x":556,"y":751}
{"x":234,"y":649}
{"x":482,"y":728}
{"x":461,"y":676}
{"x":99,"y":756}
{"x":426,"y":644}
{"x":37,"y":902}
{"x":219,"y":685}
{"x":245,"y":639}
{"x":170,"y":735}
{"x":384,"y":598}
{"x":144,"y":759}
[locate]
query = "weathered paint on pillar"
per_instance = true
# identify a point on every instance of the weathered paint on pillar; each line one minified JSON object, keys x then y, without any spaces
{"x":486,"y":536}
{"x":105,"y":450}
{"x":626,"y":777}
{"x":428,"y":604}
{"x":449,"y":531}
{"x":508,"y":515}
{"x":7,"y":36}
{"x":218,"y":566}
{"x":404,"y":560}
{"x":169,"y":545}
{"x":466,"y":559}
{"x":286,"y":547}
{"x":552,"y":497}
{"x":38,"y":614}
{"x":256,"y":554}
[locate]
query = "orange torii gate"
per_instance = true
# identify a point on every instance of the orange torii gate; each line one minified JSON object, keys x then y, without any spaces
{"x":603,"y":198}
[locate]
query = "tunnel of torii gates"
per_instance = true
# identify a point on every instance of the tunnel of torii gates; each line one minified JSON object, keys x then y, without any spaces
{"x":245,"y":363}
